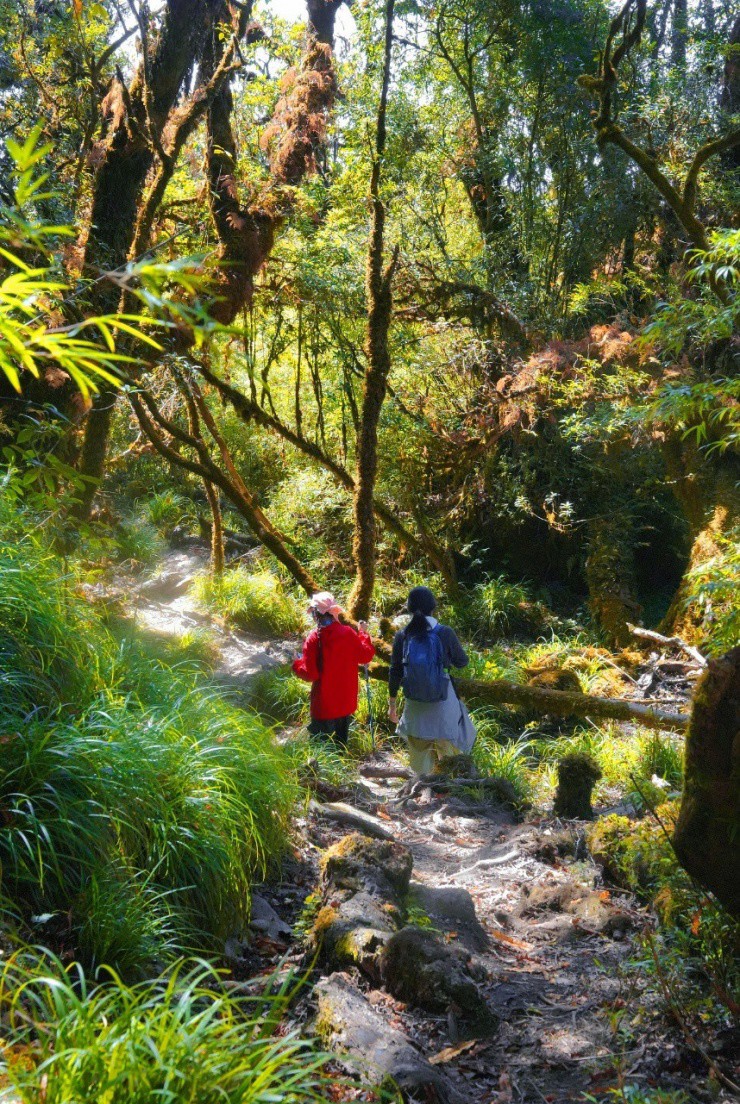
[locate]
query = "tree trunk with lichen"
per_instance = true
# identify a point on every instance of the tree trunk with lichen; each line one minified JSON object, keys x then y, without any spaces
{"x":557,"y":703}
{"x":610,"y":575}
{"x":708,"y":490}
{"x":706,"y":834}
{"x":379,"y":305}
{"x":133,"y":118}
{"x":217,"y":529}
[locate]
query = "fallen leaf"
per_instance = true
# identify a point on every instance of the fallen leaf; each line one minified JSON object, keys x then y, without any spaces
{"x":451,"y":1052}
{"x":505,"y":1094}
{"x":504,"y":938}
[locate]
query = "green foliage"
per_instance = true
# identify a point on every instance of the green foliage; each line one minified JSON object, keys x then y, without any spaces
{"x":698,"y":952}
{"x":137,"y":541}
{"x":510,"y":760}
{"x":279,"y":695}
{"x":253,"y":600}
{"x":179,"y":1039}
{"x":713,"y":590}
{"x":30,"y":293}
{"x":705,"y":317}
{"x":494,"y":608}
{"x":167,"y":509}
{"x":137,"y":802}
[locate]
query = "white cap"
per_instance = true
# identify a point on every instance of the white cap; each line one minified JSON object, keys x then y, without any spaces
{"x":324,"y":602}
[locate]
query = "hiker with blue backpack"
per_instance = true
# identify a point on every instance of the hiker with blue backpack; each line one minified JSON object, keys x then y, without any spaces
{"x":435,"y":723}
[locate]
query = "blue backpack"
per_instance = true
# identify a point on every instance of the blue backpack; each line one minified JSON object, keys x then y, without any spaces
{"x":424,"y":678}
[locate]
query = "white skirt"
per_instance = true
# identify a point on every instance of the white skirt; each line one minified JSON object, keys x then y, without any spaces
{"x":442,"y":720}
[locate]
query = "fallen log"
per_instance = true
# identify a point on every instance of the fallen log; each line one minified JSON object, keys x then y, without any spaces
{"x":560,"y":703}
{"x":350,"y":817}
{"x":368,"y":770}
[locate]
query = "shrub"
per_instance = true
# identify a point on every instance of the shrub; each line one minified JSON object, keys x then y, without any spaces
{"x":712,"y":591}
{"x":253,"y":600}
{"x":179,"y":1038}
{"x":509,"y":760}
{"x":279,"y":695}
{"x":137,"y":541}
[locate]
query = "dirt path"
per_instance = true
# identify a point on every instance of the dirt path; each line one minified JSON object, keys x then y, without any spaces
{"x":579,"y":1018}
{"x":164,"y":603}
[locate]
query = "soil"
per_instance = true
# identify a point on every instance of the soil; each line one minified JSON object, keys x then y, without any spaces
{"x":556,"y":946}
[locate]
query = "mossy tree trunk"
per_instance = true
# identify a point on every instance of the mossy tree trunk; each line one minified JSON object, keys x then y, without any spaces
{"x":134,"y":120}
{"x":610,"y":575}
{"x":706,"y":835}
{"x":379,"y":306}
{"x":708,"y":490}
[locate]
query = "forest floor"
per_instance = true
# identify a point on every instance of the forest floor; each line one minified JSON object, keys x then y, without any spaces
{"x":580,"y":1017}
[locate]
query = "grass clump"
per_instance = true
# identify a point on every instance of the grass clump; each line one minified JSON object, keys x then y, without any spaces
{"x":167,"y":509}
{"x":178,"y":1039}
{"x":137,"y":801}
{"x":494,"y":608}
{"x":510,"y":760}
{"x":252,"y":600}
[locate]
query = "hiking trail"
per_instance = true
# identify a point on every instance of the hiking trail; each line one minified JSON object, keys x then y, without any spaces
{"x":549,"y":943}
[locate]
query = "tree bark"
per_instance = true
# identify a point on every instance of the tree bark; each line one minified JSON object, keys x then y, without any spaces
{"x":705,"y":838}
{"x":134,"y":118}
{"x":217,"y":529}
{"x":379,"y":306}
{"x":730,"y":98}
{"x":610,"y":575}
{"x":153,"y":423}
{"x":708,"y":491}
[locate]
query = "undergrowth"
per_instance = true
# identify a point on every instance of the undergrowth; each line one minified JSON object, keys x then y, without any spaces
{"x":178,"y":1039}
{"x":137,"y":801}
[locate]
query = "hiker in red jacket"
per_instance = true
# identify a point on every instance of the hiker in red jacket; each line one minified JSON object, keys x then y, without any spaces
{"x":332,"y":654}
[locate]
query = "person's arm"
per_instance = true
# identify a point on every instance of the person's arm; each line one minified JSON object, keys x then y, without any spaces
{"x":307,"y":664}
{"x":365,"y":646}
{"x":456,"y":655}
{"x":394,"y":676}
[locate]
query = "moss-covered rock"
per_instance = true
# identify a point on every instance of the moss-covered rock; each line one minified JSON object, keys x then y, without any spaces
{"x":554,"y":678}
{"x":418,"y":967}
{"x":706,"y":835}
{"x":577,"y":776}
{"x":349,"y":1025}
{"x":363,"y":887}
{"x":357,"y":862}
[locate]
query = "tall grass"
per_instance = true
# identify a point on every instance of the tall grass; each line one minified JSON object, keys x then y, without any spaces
{"x":137,"y":803}
{"x":178,"y":1040}
{"x":253,"y":600}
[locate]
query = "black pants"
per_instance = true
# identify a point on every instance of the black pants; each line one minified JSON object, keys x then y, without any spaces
{"x":338,"y":729}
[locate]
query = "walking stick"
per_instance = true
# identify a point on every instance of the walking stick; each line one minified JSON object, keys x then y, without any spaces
{"x":370,"y":714}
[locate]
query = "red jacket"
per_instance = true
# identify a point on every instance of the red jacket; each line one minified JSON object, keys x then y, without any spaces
{"x":335,"y":687}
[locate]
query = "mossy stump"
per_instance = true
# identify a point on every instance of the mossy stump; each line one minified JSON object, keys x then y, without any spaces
{"x":706,"y":835}
{"x":577,"y":776}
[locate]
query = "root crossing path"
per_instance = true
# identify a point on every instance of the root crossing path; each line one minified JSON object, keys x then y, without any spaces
{"x":552,"y":950}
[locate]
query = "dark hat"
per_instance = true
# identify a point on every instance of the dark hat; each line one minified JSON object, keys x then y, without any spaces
{"x":421,"y":600}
